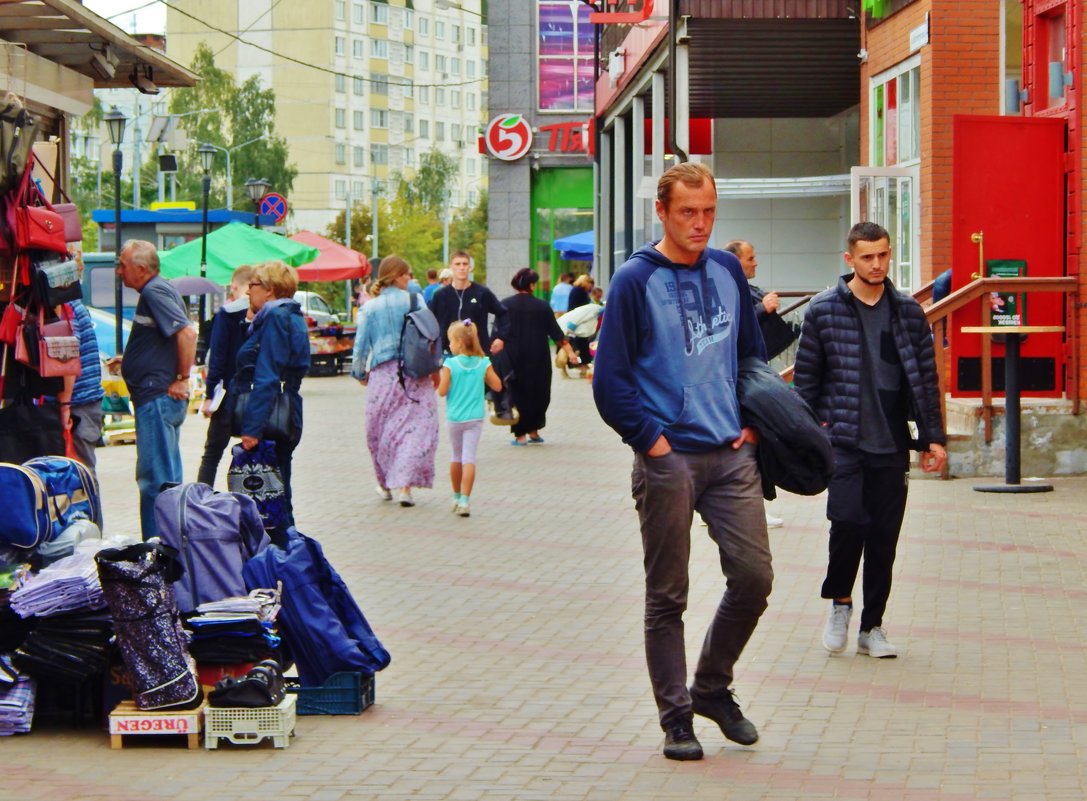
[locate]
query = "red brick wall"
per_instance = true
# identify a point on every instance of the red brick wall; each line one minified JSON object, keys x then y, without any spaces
{"x":960,"y":74}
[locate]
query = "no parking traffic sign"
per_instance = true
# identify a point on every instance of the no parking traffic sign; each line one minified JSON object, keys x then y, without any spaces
{"x":274,"y":205}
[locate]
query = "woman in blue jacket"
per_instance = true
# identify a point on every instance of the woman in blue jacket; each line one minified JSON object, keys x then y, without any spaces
{"x":401,"y":415}
{"x":275,"y":355}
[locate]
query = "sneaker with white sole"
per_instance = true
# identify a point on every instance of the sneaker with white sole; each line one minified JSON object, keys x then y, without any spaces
{"x":836,"y":630}
{"x":383,"y":493}
{"x":405,"y":497}
{"x":874,"y":643}
{"x":463,"y":509}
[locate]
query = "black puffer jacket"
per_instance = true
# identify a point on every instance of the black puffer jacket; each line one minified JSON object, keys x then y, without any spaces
{"x":829,"y":361}
{"x":794,"y":452}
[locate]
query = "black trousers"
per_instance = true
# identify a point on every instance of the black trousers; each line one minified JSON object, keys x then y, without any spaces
{"x":216,"y":442}
{"x":865,"y":504}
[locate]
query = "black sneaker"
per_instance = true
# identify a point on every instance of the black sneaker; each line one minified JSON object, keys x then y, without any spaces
{"x":680,"y":742}
{"x":725,"y":712}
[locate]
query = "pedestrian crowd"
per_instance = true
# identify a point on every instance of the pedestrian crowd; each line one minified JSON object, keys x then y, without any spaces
{"x":682,"y":324}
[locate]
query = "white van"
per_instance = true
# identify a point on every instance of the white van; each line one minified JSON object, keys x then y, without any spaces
{"x":316,"y":308}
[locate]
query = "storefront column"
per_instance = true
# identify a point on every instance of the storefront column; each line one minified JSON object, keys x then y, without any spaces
{"x":605,"y":260}
{"x":637,"y":155}
{"x":659,"y":115}
{"x":682,"y":123}
{"x":619,"y":193}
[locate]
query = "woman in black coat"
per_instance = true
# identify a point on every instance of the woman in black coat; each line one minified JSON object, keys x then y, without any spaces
{"x":531,"y":324}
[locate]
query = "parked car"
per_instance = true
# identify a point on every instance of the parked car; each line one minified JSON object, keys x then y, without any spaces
{"x":317,"y":309}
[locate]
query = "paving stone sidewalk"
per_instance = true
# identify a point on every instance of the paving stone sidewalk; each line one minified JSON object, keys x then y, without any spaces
{"x":518,"y":670}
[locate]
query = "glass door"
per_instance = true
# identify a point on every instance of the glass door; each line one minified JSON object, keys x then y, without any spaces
{"x":890,"y":196}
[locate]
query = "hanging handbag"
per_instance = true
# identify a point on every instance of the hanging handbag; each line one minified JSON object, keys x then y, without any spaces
{"x":57,"y":282}
{"x":9,"y":322}
{"x":59,"y":355}
{"x":52,"y":349}
{"x":27,"y":337}
{"x":278,"y":425}
{"x":68,"y":211}
{"x":37,"y":226}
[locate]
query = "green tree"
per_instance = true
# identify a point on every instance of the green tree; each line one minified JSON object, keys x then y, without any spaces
{"x":468,"y":231}
{"x":219,"y":112}
{"x":428,"y":186}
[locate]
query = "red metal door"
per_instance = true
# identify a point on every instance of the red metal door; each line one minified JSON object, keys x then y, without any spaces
{"x":1008,"y":183}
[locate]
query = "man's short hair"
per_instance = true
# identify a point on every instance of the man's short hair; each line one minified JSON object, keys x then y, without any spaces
{"x":867,"y":232}
{"x":458,"y":254}
{"x":242,"y":274}
{"x":736,"y":246}
{"x":432,"y":274}
{"x":142,"y":253}
{"x":445,"y":275}
{"x":691,"y":173}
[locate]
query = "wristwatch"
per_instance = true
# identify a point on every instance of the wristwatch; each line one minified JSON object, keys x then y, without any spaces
{"x":180,"y":377}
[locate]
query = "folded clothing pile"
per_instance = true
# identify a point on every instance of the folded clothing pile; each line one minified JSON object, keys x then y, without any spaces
{"x":16,"y":699}
{"x":235,"y":630}
{"x":70,"y":647}
{"x":68,"y":584}
{"x":260,"y":687}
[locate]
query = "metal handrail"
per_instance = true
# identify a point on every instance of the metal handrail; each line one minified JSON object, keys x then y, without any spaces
{"x":979,"y":290}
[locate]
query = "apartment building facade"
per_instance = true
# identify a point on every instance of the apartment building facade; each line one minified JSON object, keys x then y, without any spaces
{"x":363,"y":88}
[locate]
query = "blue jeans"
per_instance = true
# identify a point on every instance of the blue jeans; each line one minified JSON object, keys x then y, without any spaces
{"x":725,"y":488}
{"x":158,"y":453}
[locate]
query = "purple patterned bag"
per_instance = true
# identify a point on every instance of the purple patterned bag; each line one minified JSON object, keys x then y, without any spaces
{"x":153,"y":644}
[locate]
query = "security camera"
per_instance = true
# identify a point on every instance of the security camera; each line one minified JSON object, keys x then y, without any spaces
{"x":102,"y":64}
{"x":142,"y":81}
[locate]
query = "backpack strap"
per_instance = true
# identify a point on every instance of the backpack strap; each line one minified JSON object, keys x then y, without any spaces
{"x":414,"y":296}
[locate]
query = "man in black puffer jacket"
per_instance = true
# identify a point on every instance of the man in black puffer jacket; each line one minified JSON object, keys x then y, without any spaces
{"x":866,"y":365}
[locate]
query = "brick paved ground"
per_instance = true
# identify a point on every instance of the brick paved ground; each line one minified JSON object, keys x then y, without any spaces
{"x":517,"y":666}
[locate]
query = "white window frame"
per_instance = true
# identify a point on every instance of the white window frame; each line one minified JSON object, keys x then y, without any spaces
{"x":883,"y":188}
{"x":896,"y":72}
{"x":379,"y":13}
{"x":379,"y":48}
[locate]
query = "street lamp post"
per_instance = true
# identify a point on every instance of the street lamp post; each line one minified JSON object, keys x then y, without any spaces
{"x":257,"y":188}
{"x":229,"y":172}
{"x":445,"y":227}
{"x":207,"y":158}
{"x":375,"y":186}
{"x":115,"y":122}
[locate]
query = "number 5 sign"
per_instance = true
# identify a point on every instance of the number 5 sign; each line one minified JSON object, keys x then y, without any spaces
{"x":508,"y":137}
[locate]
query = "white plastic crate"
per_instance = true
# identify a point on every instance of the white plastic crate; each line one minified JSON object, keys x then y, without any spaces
{"x":248,"y":726}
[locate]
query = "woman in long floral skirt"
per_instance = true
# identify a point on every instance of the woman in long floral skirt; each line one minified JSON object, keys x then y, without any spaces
{"x":401,"y":420}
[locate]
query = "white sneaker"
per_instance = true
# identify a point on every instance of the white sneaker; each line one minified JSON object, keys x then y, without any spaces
{"x":405,"y":497}
{"x":774,"y":522}
{"x":463,"y":509}
{"x":383,"y":493}
{"x":456,"y":504}
{"x":836,"y":630}
{"x":874,"y":643}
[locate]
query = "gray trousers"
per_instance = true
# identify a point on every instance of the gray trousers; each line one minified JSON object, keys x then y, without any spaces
{"x":86,"y":431}
{"x":724,"y":487}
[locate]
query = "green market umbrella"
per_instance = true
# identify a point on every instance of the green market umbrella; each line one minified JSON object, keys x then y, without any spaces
{"x":231,"y":246}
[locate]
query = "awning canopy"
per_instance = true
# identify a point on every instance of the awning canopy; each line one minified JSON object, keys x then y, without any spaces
{"x":66,"y":33}
{"x":576,"y":247}
{"x":336,"y":263}
{"x":230,"y":247}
